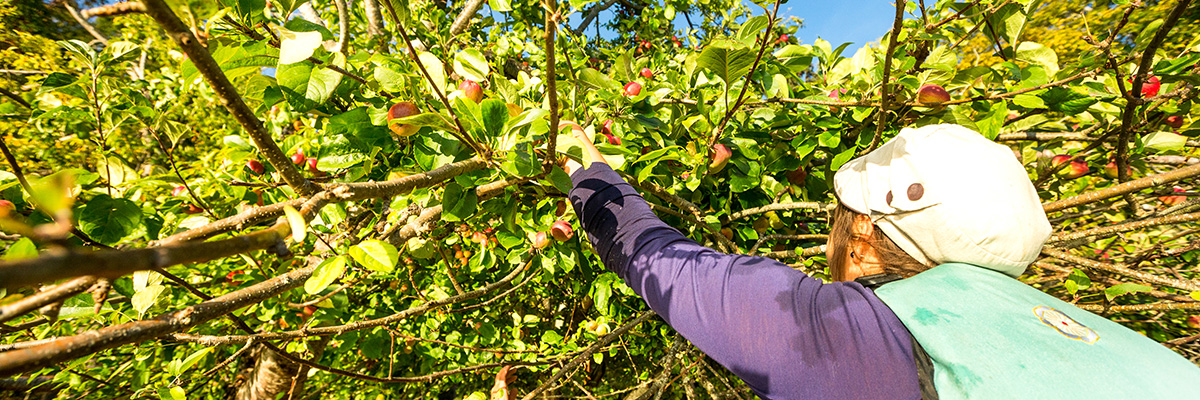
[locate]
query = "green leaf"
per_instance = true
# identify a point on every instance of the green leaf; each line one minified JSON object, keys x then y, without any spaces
{"x":1029,"y":101}
{"x":748,"y":33}
{"x":375,"y":255}
{"x":500,"y":5}
{"x":597,"y":80}
{"x":172,"y":393}
{"x":495,"y":115}
{"x":22,"y":249}
{"x":145,"y":298}
{"x":728,"y":63}
{"x":941,"y":58}
{"x":295,"y":46}
{"x":191,"y":360}
{"x":306,"y":86}
{"x":436,"y":70}
{"x":430,"y":119}
{"x":1163,"y":140}
{"x":63,"y":83}
{"x":235,"y":59}
{"x":1035,"y":53}
{"x":1143,"y":38}
{"x":108,"y":220}
{"x":299,"y":227}
{"x":328,"y":271}
{"x":304,"y":25}
{"x":80,"y":51}
{"x":1124,"y":288}
{"x":458,"y":203}
{"x":471,"y":64}
{"x":561,"y":180}
{"x":1195,"y":295}
{"x":1076,"y":281}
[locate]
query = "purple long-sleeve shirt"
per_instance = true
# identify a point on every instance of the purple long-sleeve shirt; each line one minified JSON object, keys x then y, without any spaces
{"x":786,"y":334}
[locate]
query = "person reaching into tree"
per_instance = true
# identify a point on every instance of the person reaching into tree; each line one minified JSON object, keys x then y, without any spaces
{"x":924,"y":251}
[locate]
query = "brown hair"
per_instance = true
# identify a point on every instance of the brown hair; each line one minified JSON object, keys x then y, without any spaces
{"x":893,"y":258}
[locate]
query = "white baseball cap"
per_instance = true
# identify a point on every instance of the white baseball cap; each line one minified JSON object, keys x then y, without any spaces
{"x":944,"y":193}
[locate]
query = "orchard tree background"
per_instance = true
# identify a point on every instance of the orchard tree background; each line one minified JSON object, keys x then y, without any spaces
{"x":217,"y":199}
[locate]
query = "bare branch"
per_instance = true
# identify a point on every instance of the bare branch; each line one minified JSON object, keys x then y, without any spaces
{"x":881,"y":123}
{"x":587,"y":353}
{"x":1112,"y":268}
{"x":71,"y":347}
{"x":800,"y":205}
{"x":464,"y":18}
{"x":55,"y":294}
{"x":72,"y":8}
{"x":1123,"y":188}
{"x":1092,"y":235}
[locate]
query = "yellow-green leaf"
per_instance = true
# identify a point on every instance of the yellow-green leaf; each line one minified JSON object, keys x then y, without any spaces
{"x":330,"y":270}
{"x":375,"y":255}
{"x":299,"y":229}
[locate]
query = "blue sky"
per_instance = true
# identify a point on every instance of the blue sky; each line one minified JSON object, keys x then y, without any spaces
{"x":841,"y":21}
{"x":838,"y":22}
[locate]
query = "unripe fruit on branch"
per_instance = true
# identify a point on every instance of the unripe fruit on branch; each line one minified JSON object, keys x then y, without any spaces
{"x":632,"y":89}
{"x":1110,"y":170}
{"x":179,"y":190}
{"x":647,"y":73}
{"x":298,"y":158}
{"x":471,"y":90}
{"x":1175,"y":122}
{"x":540,"y":240}
{"x":256,"y":167}
{"x":562,"y":231}
{"x":720,"y":157}
{"x":401,"y":110}
{"x":932,"y":94}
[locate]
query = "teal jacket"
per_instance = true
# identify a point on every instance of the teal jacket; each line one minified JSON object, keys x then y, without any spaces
{"x":990,"y":336}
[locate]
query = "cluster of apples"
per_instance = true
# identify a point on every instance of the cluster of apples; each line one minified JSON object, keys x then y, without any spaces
{"x":1078,"y":167}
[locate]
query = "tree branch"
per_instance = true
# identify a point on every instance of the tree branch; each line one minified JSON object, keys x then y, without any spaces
{"x":1123,"y":188}
{"x":227,"y":93}
{"x":1188,"y":285}
{"x":587,"y":353}
{"x":464,"y":18}
{"x":881,"y":123}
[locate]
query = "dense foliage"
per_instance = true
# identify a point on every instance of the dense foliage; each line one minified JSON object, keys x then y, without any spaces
{"x":228,"y":209}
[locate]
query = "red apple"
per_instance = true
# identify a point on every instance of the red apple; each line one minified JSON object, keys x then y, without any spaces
{"x":192,"y":209}
{"x":1173,"y":200}
{"x":540,"y":241}
{"x":797,"y":176}
{"x":1150,"y":86}
{"x":606,"y":128}
{"x":298,"y":157}
{"x":312,"y":165}
{"x":632,"y":89}
{"x":6,"y":208}
{"x":401,"y":110}
{"x":675,"y":39}
{"x":782,"y":39}
{"x":720,"y":157}
{"x":560,"y":208}
{"x":835,"y":93}
{"x":1194,"y":322}
{"x":1175,"y":122}
{"x":613,"y":140}
{"x":471,"y":90}
{"x":1060,"y":160}
{"x":561,"y":231}
{"x":179,"y":190}
{"x":932,"y":94}
{"x":647,"y":73}
{"x":1077,"y":169}
{"x":256,"y":167}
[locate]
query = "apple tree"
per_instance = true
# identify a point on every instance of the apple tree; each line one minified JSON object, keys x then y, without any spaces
{"x":275,"y":199}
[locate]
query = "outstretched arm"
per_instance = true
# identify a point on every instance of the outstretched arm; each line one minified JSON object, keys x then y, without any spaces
{"x":786,"y":334}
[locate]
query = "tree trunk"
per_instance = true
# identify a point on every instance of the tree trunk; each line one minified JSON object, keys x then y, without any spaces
{"x":273,"y":374}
